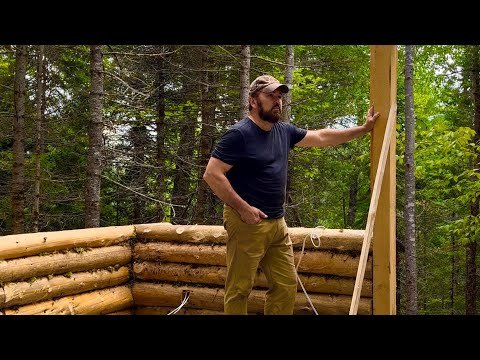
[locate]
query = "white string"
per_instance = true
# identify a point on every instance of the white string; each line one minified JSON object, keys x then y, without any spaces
{"x":313,"y":235}
{"x":184,"y":301}
{"x":186,"y":296}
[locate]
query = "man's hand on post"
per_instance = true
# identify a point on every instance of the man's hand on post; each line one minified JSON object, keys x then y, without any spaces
{"x":370,"y":118}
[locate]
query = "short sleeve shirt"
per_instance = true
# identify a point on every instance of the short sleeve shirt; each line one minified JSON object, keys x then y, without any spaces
{"x":259,"y":162}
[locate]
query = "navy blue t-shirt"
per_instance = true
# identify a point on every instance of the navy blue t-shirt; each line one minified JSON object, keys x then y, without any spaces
{"x":259,"y":159}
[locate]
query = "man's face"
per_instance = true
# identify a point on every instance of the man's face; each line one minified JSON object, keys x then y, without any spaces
{"x":270,"y":106}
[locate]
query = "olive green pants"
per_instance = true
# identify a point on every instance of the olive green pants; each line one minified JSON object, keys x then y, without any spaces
{"x":266,"y":244}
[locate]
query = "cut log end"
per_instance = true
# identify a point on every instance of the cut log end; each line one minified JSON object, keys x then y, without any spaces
{"x":180,"y":230}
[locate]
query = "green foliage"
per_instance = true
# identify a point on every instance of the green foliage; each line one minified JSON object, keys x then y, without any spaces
{"x":330,"y":89}
{"x":445,"y":181}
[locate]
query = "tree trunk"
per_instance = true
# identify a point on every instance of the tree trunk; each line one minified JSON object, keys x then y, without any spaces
{"x":160,"y":137}
{"x":471,"y":286}
{"x":182,"y":178}
{"x":425,"y":265}
{"x":208,"y":98}
{"x":410,"y":245}
{"x":95,"y":136}
{"x":453,"y":278}
{"x":18,"y":175}
{"x":399,"y":279}
{"x":139,"y":139}
{"x":244,"y":79}
{"x":471,"y":253}
{"x":39,"y":132}
{"x":292,"y":215}
{"x":289,"y":67}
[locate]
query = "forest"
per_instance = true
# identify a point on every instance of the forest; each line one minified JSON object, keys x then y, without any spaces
{"x":105,"y":135}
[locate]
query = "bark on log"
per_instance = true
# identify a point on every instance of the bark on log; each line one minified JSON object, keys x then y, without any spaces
{"x":2,"y":296}
{"x":318,"y":262}
{"x":185,"y":233}
{"x":51,"y":264}
{"x":196,"y":254}
{"x":164,"y":310}
{"x":92,"y":303}
{"x":23,"y":245}
{"x":149,"y":294}
{"x":331,"y":239}
{"x":215,"y":275}
{"x":321,"y":262}
{"x":122,"y":312}
{"x":20,"y":293}
{"x":333,"y":285}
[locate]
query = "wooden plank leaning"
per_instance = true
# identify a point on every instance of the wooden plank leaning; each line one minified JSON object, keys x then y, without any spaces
{"x":373,"y":210}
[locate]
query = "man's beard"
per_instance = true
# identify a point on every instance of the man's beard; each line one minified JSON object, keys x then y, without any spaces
{"x":269,"y":116}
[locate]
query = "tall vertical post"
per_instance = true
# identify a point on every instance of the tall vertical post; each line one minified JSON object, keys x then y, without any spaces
{"x":383,"y":92}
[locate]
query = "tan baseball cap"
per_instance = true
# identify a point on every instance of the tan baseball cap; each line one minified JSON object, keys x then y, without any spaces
{"x":268,"y":84}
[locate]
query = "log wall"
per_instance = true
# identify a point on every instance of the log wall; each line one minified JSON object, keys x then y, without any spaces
{"x":148,"y":269}
{"x":170,"y":260}
{"x":85,"y":271}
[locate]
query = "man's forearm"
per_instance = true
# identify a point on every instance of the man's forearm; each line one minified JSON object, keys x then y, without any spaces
{"x":332,"y":137}
{"x":224,"y":190}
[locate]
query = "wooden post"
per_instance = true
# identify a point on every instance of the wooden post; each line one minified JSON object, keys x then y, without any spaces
{"x":383,"y":93}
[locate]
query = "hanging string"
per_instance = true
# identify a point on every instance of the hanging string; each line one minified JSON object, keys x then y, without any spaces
{"x":186,"y":296}
{"x":313,"y":235}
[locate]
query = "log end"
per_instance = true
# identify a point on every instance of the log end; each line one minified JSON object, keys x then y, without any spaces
{"x":138,"y":267}
{"x":198,"y":236}
{"x":180,"y":230}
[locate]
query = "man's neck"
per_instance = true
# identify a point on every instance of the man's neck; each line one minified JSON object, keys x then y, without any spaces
{"x":262,"y":124}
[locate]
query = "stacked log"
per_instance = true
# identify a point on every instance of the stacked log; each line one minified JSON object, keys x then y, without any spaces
{"x":22,"y":245}
{"x":97,"y":302}
{"x":173,"y":260}
{"x":88,"y":271}
{"x":62,"y":263}
{"x":85,"y":271}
